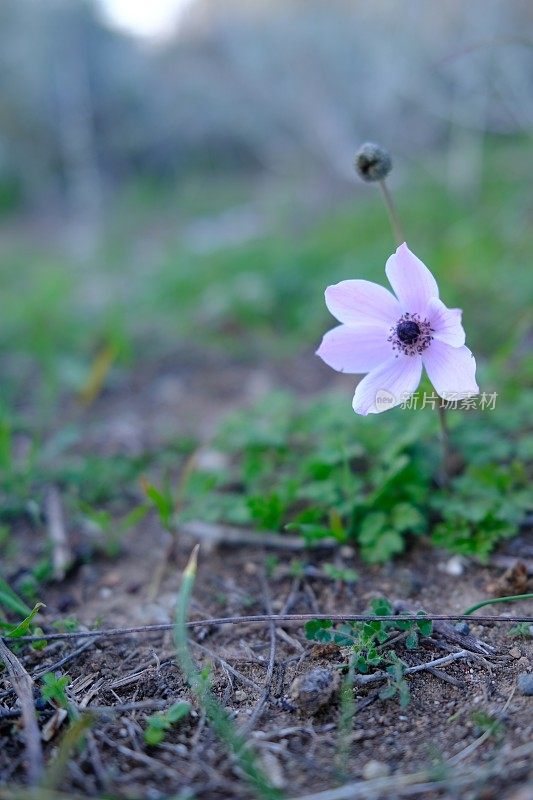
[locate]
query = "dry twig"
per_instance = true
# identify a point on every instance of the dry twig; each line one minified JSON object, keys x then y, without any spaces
{"x":256,"y":713}
{"x":61,"y":552}
{"x":23,"y":686}
{"x":213,"y":534}
{"x":277,"y":619}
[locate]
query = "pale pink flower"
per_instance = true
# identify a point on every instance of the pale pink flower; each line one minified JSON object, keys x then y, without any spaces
{"x":391,"y":338}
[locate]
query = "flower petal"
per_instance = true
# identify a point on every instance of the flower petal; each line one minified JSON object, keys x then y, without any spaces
{"x":451,"y":370}
{"x":411,"y":280}
{"x":388,"y":385}
{"x":355,"y":348}
{"x":445,"y":322}
{"x":358,"y":301}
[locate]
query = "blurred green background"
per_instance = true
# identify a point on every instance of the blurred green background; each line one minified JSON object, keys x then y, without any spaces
{"x":176,"y":189}
{"x":183,"y":172}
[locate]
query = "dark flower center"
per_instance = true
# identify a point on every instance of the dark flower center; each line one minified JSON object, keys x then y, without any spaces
{"x":411,"y":334}
{"x":408,"y":331}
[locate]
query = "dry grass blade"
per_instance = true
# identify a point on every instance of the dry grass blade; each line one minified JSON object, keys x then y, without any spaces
{"x":23,"y":686}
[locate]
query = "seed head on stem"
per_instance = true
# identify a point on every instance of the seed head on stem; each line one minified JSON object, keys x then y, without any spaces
{"x":373,"y":163}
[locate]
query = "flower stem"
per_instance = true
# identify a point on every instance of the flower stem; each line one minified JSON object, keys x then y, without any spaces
{"x":445,"y":443}
{"x":493,"y":600}
{"x":393,"y":214}
{"x":399,"y":236}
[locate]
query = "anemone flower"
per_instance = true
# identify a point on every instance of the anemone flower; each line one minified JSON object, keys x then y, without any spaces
{"x":392,"y":338}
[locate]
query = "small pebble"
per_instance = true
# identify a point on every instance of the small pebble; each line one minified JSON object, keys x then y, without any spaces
{"x":455,"y":566}
{"x":525,"y":684}
{"x":515,"y":652}
{"x":375,"y":769}
{"x":314,"y":689}
{"x":111,"y":579}
{"x":240,"y":695}
{"x":462,"y":628}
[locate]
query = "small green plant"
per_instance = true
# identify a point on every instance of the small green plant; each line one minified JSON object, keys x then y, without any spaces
{"x":14,"y":630}
{"x":160,"y":723}
{"x":10,"y":601}
{"x":271,"y":562}
{"x":524,"y":630}
{"x":485,"y":504}
{"x":367,"y":642}
{"x":313,"y":469}
{"x":297,"y":568}
{"x":344,"y":574}
{"x":112,"y":528}
{"x":345,"y":725}
{"x":68,"y":624}
{"x":396,"y":686}
{"x":53,"y":689}
{"x":487,"y":723}
{"x":162,"y":499}
{"x":366,"y":638}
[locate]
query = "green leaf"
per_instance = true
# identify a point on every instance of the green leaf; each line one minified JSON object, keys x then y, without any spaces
{"x":267,"y":510}
{"x":362,"y":665}
{"x":425,"y":626}
{"x":53,"y":689}
{"x":162,"y":500}
{"x":24,"y":627}
{"x":371,"y":528}
{"x":10,"y":600}
{"x":318,"y":630}
{"x":154,"y":734}
{"x":388,"y":692}
{"x":387,"y":545}
{"x":177,"y":712}
{"x":160,"y":723}
{"x":336,"y":573}
{"x":381,"y":607}
{"x":404,"y":693}
{"x":406,"y":517}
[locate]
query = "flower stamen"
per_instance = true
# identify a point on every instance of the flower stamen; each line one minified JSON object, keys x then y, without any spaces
{"x":411,"y":334}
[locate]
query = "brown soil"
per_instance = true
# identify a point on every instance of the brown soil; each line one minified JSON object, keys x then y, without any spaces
{"x":301,"y":752}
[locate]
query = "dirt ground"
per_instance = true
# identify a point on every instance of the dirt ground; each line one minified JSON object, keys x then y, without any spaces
{"x":468,"y":728}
